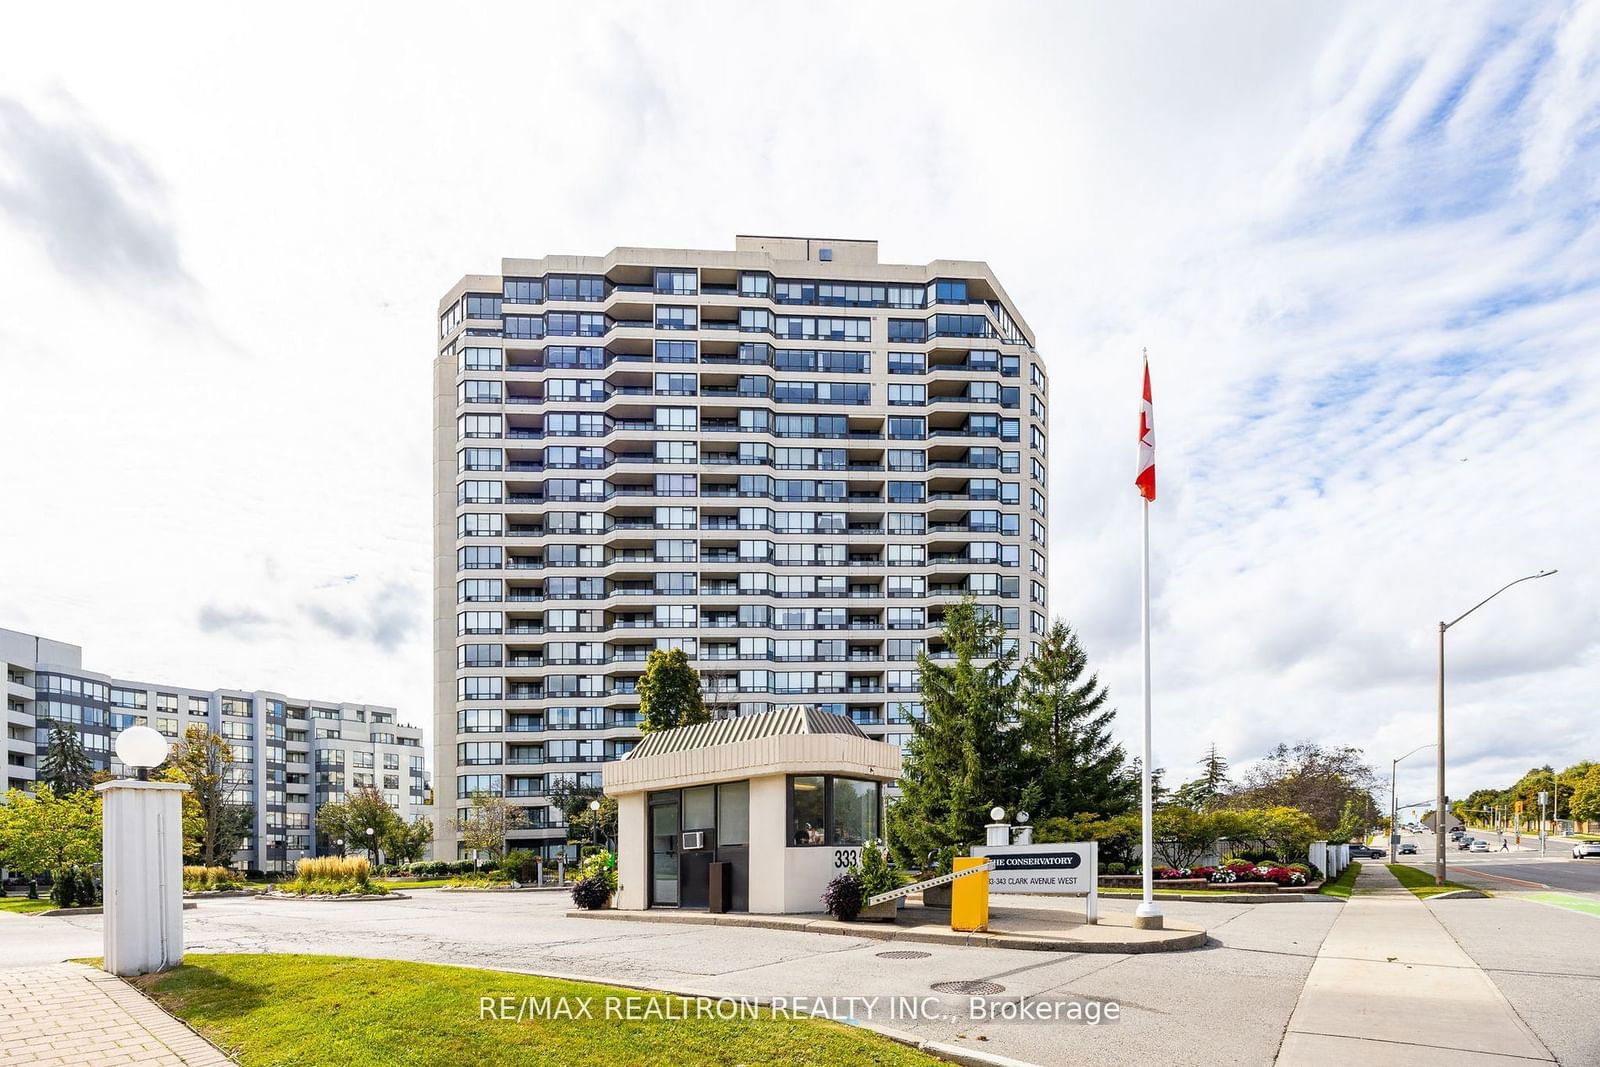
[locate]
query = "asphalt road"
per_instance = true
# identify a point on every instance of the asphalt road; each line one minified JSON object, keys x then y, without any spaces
{"x":1236,"y":994}
{"x":1545,"y":959}
{"x":1177,"y":1009}
{"x":1519,"y":869}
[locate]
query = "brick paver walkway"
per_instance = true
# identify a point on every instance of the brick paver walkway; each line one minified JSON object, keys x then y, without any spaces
{"x":77,"y":1016}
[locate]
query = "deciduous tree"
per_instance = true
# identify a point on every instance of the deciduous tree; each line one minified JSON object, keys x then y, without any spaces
{"x":1585,"y":802}
{"x":584,"y":825}
{"x":216,"y":820}
{"x":1319,"y":781}
{"x":669,"y":692}
{"x":44,"y":830}
{"x":484,"y":828}
{"x":367,"y":810}
{"x":407,"y":842}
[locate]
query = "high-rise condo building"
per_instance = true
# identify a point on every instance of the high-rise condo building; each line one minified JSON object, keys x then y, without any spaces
{"x":289,"y":755}
{"x":787,"y":459}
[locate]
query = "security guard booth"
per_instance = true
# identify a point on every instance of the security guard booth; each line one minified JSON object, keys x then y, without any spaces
{"x":756,"y":813}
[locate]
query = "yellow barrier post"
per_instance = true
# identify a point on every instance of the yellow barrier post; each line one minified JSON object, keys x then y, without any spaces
{"x":969,"y":896}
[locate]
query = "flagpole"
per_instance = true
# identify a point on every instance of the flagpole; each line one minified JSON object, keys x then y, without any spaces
{"x":1147,"y":916}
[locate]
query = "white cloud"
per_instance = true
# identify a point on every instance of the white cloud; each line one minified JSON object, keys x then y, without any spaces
{"x":1358,"y":240}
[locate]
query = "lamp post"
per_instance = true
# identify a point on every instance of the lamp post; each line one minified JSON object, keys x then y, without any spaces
{"x":340,"y":845}
{"x":594,"y":817}
{"x":371,"y":840}
{"x":1438,"y":859}
{"x":1394,"y":800}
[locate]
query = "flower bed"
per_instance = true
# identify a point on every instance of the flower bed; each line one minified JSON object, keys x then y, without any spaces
{"x":1235,"y":876}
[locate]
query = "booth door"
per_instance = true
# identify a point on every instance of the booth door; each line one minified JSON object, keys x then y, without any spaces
{"x":664,"y":852}
{"x":699,"y":814}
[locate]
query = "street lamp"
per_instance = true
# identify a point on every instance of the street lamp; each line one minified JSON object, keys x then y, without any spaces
{"x":140,"y":748}
{"x":340,"y":844}
{"x":594,"y":817}
{"x":370,"y":841}
{"x":1440,"y":815}
{"x":1394,"y":799}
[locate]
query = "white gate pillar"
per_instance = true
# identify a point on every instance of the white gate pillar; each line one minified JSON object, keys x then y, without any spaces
{"x":143,"y":875}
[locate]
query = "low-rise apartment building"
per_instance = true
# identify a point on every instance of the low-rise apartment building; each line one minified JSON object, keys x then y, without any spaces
{"x":290,"y":754}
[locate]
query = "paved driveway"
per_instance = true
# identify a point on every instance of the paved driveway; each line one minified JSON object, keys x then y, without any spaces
{"x":1178,"y":1008}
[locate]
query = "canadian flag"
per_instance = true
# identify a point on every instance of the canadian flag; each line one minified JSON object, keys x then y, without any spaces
{"x":1146,"y":481}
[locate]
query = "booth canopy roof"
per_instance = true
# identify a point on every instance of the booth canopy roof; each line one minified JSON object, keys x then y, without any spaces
{"x":796,"y":719}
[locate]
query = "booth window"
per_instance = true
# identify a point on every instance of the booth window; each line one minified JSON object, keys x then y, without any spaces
{"x":808,"y":801}
{"x":733,"y":813}
{"x":825,"y":810}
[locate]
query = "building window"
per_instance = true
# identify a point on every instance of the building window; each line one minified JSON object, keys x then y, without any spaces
{"x":677,"y":282}
{"x":830,"y":810}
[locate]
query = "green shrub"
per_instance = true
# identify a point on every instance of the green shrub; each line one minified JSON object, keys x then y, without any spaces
{"x":1119,"y":836}
{"x":873,"y":872}
{"x":207,"y":879}
{"x":843,"y":897}
{"x":601,"y":865}
{"x":592,"y":893}
{"x":520,"y":865}
{"x":1116,"y":868}
{"x":73,"y":886}
{"x":480,"y":880}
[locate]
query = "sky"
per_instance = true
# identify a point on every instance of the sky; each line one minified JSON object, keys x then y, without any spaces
{"x":1359,"y":241}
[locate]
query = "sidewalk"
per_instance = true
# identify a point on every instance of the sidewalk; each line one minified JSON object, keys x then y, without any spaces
{"x":1390,"y":985}
{"x":69,"y":1014}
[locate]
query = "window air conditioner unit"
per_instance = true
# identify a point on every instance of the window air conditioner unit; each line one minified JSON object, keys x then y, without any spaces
{"x":694,"y":839}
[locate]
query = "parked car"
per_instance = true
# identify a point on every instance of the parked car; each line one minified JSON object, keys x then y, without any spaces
{"x":1366,"y":852}
{"x":1585,"y":849}
{"x":1408,"y":849}
{"x":1480,"y":845}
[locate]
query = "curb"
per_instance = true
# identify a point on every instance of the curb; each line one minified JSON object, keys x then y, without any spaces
{"x":1182,"y":940}
{"x":503,"y":889}
{"x":1235,"y":898}
{"x":98,"y":909}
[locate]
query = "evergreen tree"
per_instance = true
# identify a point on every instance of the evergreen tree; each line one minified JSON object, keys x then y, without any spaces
{"x":1206,"y":791}
{"x":964,"y":753}
{"x":669,"y":692}
{"x":66,"y":767}
{"x":1070,"y":764}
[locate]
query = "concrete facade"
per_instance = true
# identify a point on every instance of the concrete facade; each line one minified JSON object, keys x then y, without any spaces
{"x":291,"y":754}
{"x":787,"y":459}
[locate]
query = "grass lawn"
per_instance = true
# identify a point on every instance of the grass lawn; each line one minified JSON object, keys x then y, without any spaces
{"x":22,"y":905}
{"x":401,"y":883}
{"x":1420,"y":882}
{"x":307,"y":1010}
{"x":1341,"y":886}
